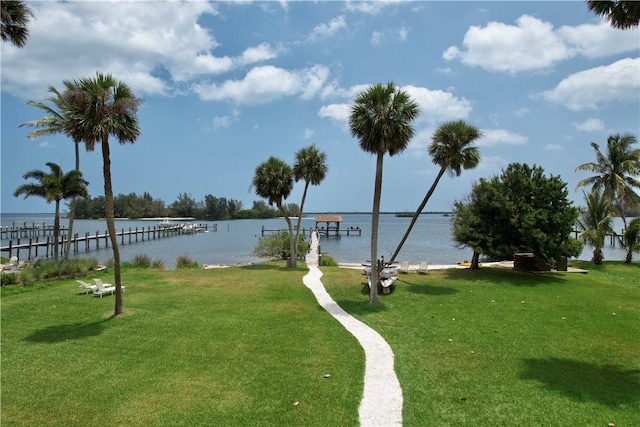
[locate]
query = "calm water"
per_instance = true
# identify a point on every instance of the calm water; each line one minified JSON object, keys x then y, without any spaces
{"x":234,"y":241}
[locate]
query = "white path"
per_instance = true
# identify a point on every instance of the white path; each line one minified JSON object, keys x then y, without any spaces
{"x":381,"y":403}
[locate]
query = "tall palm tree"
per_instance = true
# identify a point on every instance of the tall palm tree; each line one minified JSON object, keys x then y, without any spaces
{"x":381,"y":119}
{"x":615,"y":172}
{"x":596,"y":221}
{"x":57,"y":121}
{"x":451,"y":148}
{"x":102,"y":107}
{"x":631,"y":239}
{"x":54,"y":187}
{"x":310,"y":166}
{"x":620,"y":14}
{"x":14,"y":17}
{"x":273,"y":180}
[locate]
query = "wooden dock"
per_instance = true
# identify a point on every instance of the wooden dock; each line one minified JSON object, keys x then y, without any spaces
{"x":15,"y":231}
{"x":44,"y":247}
{"x":613,"y":237}
{"x":351,"y":231}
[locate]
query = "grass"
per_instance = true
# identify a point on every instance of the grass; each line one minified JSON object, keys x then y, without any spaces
{"x":240,"y":346}
{"x":235,"y":346}
{"x":507,"y":348}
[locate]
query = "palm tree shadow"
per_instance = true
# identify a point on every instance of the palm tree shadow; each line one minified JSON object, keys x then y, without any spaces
{"x":425,"y":289}
{"x":585,"y":381}
{"x":60,"y":333}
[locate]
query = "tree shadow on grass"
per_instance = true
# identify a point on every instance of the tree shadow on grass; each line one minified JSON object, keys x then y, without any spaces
{"x":60,"y":333}
{"x":426,"y":289}
{"x":506,"y":276}
{"x":605,"y":384}
{"x":361,"y":307}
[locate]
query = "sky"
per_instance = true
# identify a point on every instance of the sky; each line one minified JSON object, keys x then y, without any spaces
{"x":226,"y":85}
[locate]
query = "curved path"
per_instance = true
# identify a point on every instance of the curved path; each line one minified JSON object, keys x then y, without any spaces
{"x":381,"y":403}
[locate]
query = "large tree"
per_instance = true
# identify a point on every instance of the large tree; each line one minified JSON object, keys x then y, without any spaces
{"x":616,"y":171}
{"x":273,"y":180}
{"x":451,"y":148}
{"x":102,"y":107}
{"x":15,"y":16}
{"x":56,"y":121}
{"x":522,"y":210}
{"x":620,"y":14}
{"x":311,"y":166}
{"x":381,"y":119}
{"x":54,"y":187}
{"x":596,"y":221}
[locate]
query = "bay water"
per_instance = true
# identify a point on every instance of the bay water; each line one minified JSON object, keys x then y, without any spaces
{"x":235,"y":240}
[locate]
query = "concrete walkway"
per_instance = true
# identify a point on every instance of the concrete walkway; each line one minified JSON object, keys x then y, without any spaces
{"x":381,"y":403}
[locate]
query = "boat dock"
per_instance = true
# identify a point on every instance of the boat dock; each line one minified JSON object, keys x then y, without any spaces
{"x":44,"y":247}
{"x":15,"y":231}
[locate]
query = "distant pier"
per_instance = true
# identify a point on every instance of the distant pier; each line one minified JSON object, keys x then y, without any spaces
{"x":41,"y":244}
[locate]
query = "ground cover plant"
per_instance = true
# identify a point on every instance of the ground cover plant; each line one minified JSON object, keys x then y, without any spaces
{"x":505,"y":348}
{"x":236,"y":346}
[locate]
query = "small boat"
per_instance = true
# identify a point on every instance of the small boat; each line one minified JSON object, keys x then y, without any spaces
{"x":165,"y":223}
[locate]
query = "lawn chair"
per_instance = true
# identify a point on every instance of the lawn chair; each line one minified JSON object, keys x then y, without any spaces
{"x":85,"y":288}
{"x":423,"y":267}
{"x":104,"y":288}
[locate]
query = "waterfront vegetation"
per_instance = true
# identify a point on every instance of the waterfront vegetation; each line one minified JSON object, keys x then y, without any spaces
{"x":250,"y":346}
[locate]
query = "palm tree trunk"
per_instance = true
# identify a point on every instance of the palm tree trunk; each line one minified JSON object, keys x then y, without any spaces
{"x":292,"y":260}
{"x":375,"y":217}
{"x":56,"y":232}
{"x":304,"y":197}
{"x":72,"y":211}
{"x":111,"y":227}
{"x":417,"y":214}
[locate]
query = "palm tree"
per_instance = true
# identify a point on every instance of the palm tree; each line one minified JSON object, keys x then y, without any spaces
{"x":57,"y":121}
{"x":620,"y":14}
{"x":631,"y":239}
{"x":311,"y":166}
{"x":102,"y":107}
{"x":596,"y":221}
{"x":451,"y":149}
{"x":54,"y":187}
{"x":273,"y":180}
{"x":615,"y":172}
{"x":381,"y":120}
{"x":14,"y":17}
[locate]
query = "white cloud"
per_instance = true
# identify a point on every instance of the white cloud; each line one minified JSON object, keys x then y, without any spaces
{"x":369,"y":7}
{"x":308,"y":134}
{"x":589,"y":125}
{"x":619,"y":81}
{"x":227,"y":120}
{"x":376,"y":38}
{"x":493,"y":137}
{"x":323,"y":30}
{"x":521,"y":112}
{"x":403,"y":33}
{"x":529,"y":45}
{"x":119,"y":40}
{"x":598,"y":40}
{"x":336,"y":112}
{"x":46,"y":144}
{"x":553,"y":147}
{"x":264,"y":84}
{"x":533,"y":44}
{"x":437,"y":105}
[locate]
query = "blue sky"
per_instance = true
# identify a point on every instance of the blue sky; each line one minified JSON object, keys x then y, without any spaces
{"x":226,"y":85}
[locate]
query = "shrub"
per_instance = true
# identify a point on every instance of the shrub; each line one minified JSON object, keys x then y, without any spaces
{"x":141,"y":260}
{"x":327,"y":261}
{"x":276,"y":246}
{"x":8,"y":279}
{"x":159,"y":264}
{"x":184,"y":261}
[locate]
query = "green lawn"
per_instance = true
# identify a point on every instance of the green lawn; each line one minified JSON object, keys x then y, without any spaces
{"x":240,"y":346}
{"x":498,"y":347}
{"x":228,"y":347}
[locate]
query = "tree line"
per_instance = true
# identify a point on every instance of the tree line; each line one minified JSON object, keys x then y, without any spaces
{"x":212,"y":208}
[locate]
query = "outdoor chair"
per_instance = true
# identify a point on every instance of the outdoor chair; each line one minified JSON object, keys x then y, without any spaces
{"x":104,"y":288}
{"x":85,"y":288}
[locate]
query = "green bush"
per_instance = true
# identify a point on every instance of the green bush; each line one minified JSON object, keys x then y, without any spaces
{"x":276,"y":246}
{"x":159,"y":264}
{"x":327,"y":261}
{"x":184,"y":261}
{"x":141,"y":260}
{"x":8,"y":279}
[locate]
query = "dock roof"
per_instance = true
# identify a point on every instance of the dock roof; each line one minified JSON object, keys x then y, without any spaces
{"x":328,"y":218}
